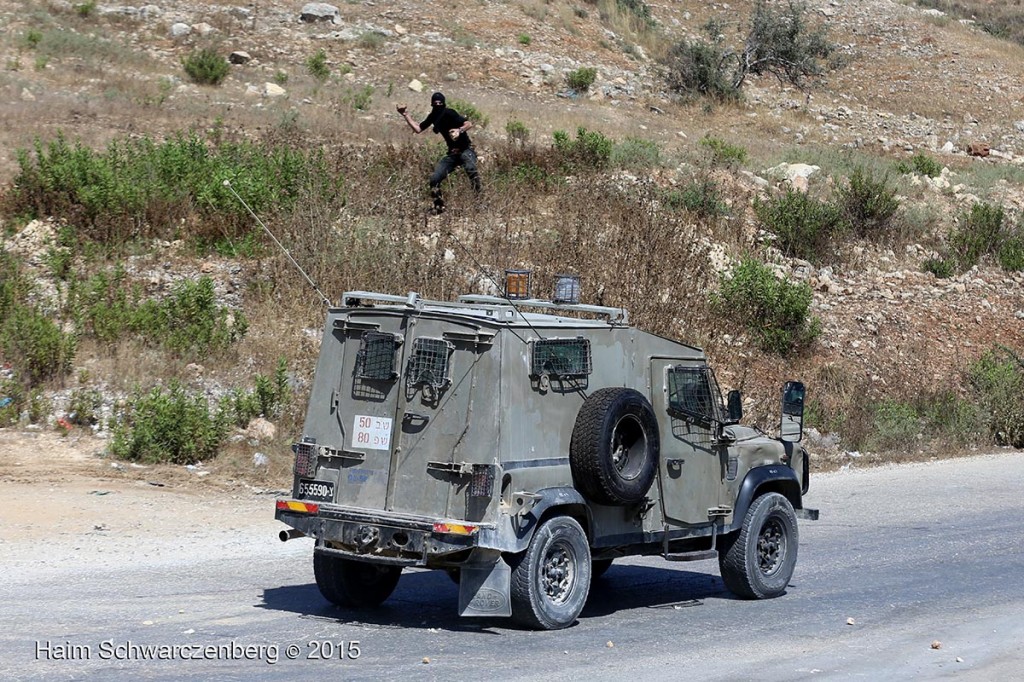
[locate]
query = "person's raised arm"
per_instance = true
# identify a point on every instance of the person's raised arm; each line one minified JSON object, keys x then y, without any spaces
{"x":404,"y":111}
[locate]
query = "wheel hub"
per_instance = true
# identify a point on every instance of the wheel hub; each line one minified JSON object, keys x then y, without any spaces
{"x":558,"y":572}
{"x":771,"y":547}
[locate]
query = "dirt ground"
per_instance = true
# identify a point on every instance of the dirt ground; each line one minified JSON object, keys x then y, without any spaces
{"x":61,"y":494}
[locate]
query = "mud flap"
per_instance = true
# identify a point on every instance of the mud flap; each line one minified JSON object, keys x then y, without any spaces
{"x":484,"y":583}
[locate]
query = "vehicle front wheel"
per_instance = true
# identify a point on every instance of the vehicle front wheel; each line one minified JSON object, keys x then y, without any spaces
{"x":354,"y":584}
{"x":757,"y":562}
{"x":551,"y":579}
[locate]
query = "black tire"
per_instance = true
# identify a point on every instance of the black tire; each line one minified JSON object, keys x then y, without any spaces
{"x":757,"y":561}
{"x":614,"y":447}
{"x":599,"y":567}
{"x":354,"y":584}
{"x":551,"y":579}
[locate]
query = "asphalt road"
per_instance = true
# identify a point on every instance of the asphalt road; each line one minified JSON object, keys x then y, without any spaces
{"x":901,"y":558}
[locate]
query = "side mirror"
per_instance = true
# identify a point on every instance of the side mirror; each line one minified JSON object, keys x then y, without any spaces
{"x":791,"y":427}
{"x":734,"y":403}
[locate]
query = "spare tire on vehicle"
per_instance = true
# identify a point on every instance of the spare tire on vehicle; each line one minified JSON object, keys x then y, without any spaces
{"x":614,"y":449}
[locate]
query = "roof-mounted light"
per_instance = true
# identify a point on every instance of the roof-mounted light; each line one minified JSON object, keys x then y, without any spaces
{"x":517,"y":284}
{"x":567,"y":289}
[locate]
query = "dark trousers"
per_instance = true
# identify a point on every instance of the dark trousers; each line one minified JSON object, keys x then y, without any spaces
{"x":448,"y":163}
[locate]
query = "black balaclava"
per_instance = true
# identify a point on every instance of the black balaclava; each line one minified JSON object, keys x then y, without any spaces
{"x":437,"y":97}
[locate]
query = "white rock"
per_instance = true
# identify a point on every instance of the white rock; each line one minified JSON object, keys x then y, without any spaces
{"x":401,"y":30}
{"x":273,"y":90}
{"x":260,"y":429}
{"x":320,"y":11}
{"x":203,"y":28}
{"x":415,"y":85}
{"x":239,"y":57}
{"x":180,"y":30}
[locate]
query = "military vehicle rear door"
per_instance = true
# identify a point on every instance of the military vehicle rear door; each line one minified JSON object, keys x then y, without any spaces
{"x":436,"y":389}
{"x":692,"y":463}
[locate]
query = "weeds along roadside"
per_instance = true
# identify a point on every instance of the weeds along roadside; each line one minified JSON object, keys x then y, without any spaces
{"x":352,"y":216}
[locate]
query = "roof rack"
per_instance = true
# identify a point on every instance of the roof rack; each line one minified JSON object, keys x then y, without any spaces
{"x":615,"y":315}
{"x":414,"y":301}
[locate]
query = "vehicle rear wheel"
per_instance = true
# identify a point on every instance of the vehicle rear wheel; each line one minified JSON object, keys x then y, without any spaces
{"x":757,"y":562}
{"x":551,"y":579}
{"x":614,"y":448}
{"x":354,"y":584}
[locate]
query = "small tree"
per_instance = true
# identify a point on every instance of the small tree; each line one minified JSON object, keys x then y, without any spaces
{"x":206,"y":67}
{"x":779,"y":42}
{"x":782,"y":44}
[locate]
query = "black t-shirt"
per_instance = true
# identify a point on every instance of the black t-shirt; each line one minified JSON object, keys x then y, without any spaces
{"x":443,"y":120}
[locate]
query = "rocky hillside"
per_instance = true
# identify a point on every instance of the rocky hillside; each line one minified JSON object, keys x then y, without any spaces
{"x":908,"y":81}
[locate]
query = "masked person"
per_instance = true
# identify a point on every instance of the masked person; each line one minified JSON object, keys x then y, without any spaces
{"x":452,"y":126}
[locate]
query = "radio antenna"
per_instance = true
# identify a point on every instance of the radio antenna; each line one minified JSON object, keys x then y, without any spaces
{"x":326,"y":301}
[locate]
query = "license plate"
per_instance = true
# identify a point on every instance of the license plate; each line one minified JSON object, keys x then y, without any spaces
{"x":322,"y":491}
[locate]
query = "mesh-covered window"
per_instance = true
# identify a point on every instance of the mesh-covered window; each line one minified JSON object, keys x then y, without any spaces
{"x":428,"y":363}
{"x":691,"y":392}
{"x":561,"y":357}
{"x":376,"y":358}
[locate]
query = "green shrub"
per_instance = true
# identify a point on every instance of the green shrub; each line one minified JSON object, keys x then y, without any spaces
{"x":524,"y":39}
{"x":775,"y":312}
{"x":805,"y":226}
{"x":638,"y":9}
{"x":169,"y":425}
{"x":869,"y":205}
{"x":1011,"y":252}
{"x":467,"y":109}
{"x":84,"y":406}
{"x":85,"y":9}
{"x":362,"y":98}
{"x":138,"y":182}
{"x":35,"y":344}
{"x":700,"y":69}
{"x":12,"y":400}
{"x":942,"y":268}
{"x":894,"y":426}
{"x":189,"y":321}
{"x":33,"y":37}
{"x":268,"y":398}
{"x":635,"y":153}
{"x":998,"y":382}
{"x":580,"y":80}
{"x":280,"y":77}
{"x":701,"y":197}
{"x":590,"y":149}
{"x":517,"y":132}
{"x":39,"y":407}
{"x":206,"y":67}
{"x":980,"y":234}
{"x":722,"y":153}
{"x":370,"y":40}
{"x":921,"y":164}
{"x":14,"y":285}
{"x":317,"y":67}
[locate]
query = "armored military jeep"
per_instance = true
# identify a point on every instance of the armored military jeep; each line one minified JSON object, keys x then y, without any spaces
{"x":523,"y":446}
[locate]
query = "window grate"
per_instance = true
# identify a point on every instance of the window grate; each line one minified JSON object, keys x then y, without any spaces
{"x":376,"y":357}
{"x":690,"y":392}
{"x":561,"y":357}
{"x":305,"y":459}
{"x":428,"y":363}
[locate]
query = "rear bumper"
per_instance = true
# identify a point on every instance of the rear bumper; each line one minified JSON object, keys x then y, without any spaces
{"x":384,"y":537}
